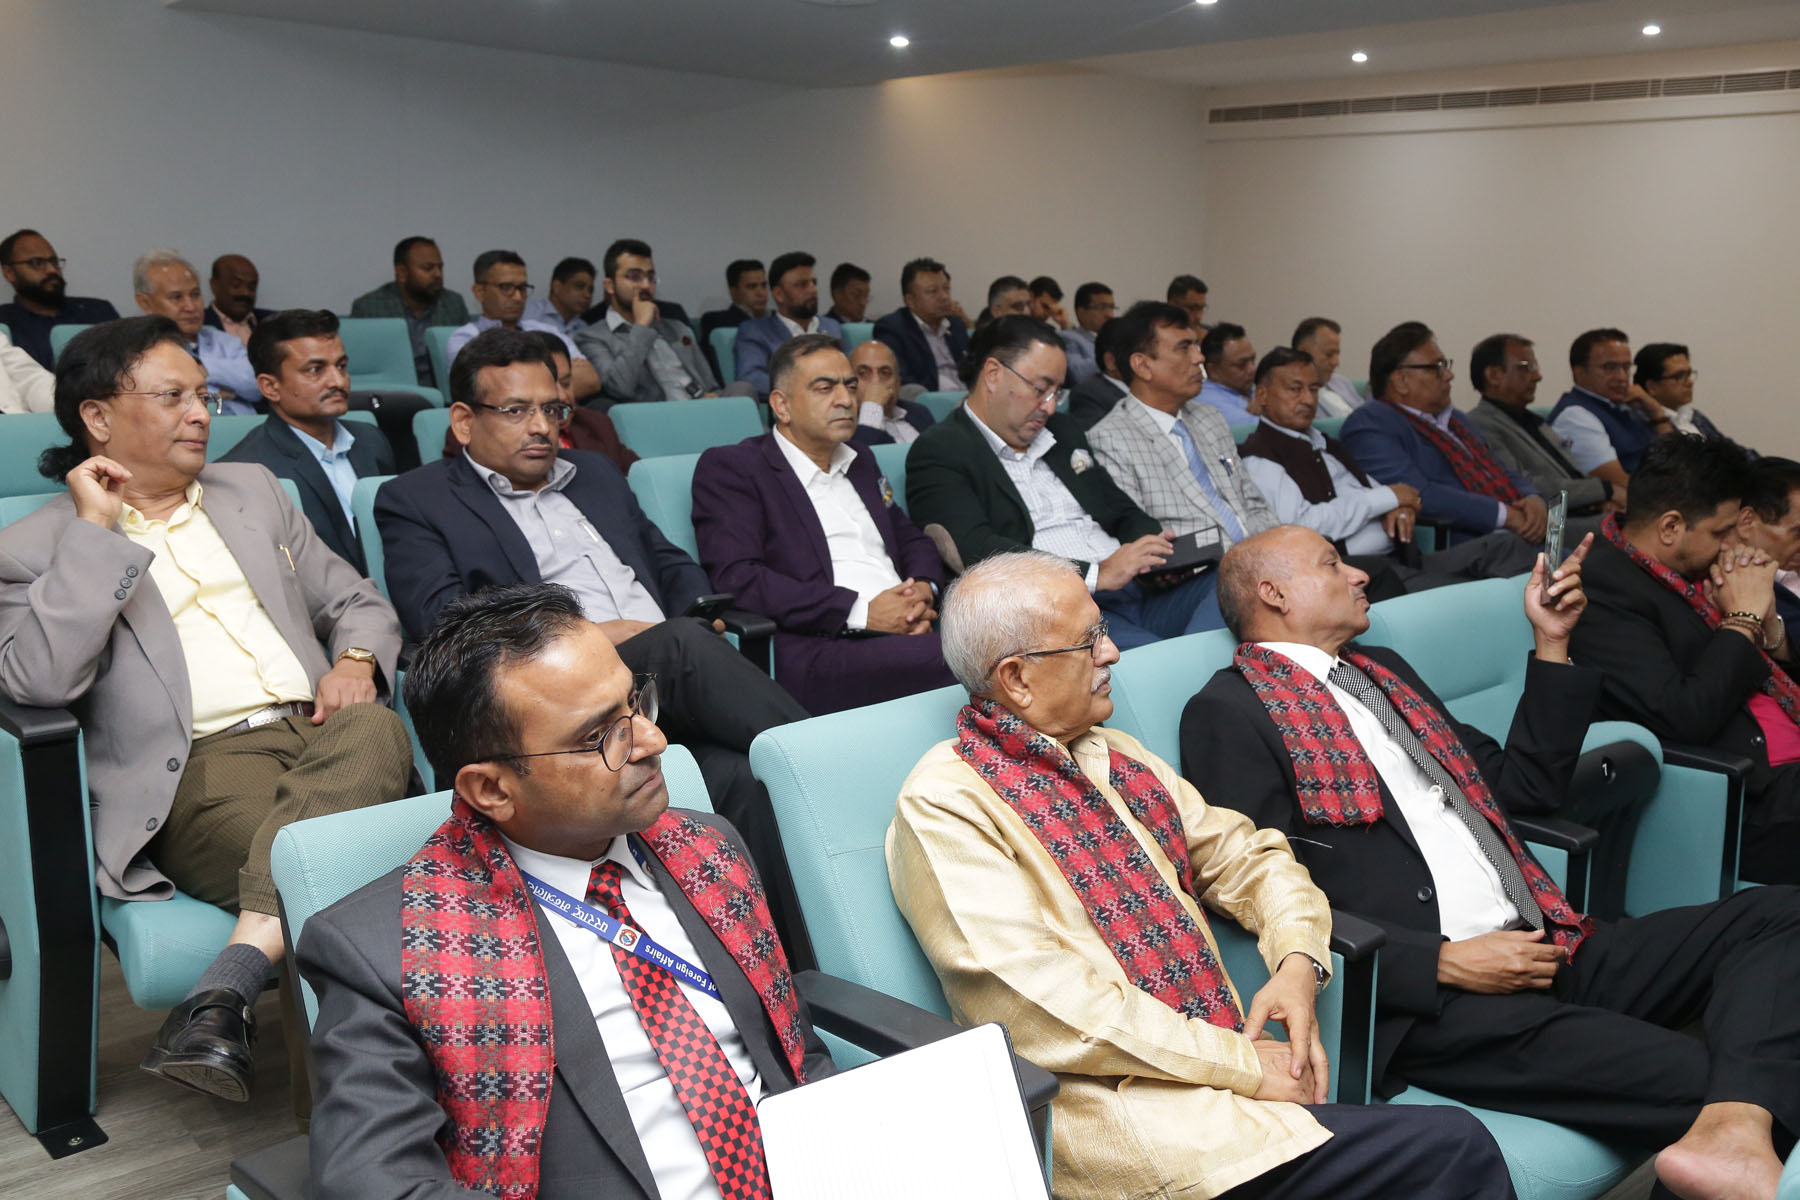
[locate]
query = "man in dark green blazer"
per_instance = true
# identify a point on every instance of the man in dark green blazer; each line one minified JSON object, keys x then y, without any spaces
{"x":1006,"y":472}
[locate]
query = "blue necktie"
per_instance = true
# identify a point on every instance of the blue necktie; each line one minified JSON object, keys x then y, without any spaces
{"x":1227,"y":518}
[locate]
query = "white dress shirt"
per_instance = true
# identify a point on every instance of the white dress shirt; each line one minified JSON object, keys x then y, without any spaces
{"x":669,"y":1141}
{"x":859,"y":558}
{"x":1470,"y":898}
{"x":1059,"y":524}
{"x":795,"y":328}
{"x":1355,"y":516}
{"x":939,"y":341}
{"x":875,"y":416}
{"x":1442,"y":421}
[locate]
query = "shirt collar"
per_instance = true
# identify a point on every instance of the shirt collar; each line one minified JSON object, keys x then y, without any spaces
{"x":842,"y":456}
{"x":614,"y":320}
{"x":1312,"y":436}
{"x":1039,"y":447}
{"x":1441,"y":420}
{"x":943,"y":326}
{"x":796,"y":328}
{"x":571,"y":875}
{"x":1314,"y":660}
{"x":340,"y":445}
{"x":1612,"y":404}
{"x":1165,"y":422}
{"x":560,"y":473}
{"x":133,"y":521}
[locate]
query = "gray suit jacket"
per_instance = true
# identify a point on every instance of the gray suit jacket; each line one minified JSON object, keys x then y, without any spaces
{"x":621,"y":357}
{"x":1151,"y":468}
{"x":1515,"y":447}
{"x":376,"y":1117}
{"x":82,"y":625}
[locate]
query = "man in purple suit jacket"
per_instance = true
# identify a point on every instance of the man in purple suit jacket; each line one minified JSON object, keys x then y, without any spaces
{"x":803,"y":527}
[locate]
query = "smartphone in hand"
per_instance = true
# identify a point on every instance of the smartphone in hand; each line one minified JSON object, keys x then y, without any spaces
{"x":1553,"y":540}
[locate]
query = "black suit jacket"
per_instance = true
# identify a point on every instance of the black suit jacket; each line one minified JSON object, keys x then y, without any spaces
{"x":274,"y":445}
{"x":375,"y":1116}
{"x":953,"y":479}
{"x":1232,"y":751}
{"x":445,"y":534}
{"x":900,"y":331}
{"x":1092,"y":399}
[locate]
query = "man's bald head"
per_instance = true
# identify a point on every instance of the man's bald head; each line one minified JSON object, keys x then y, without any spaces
{"x":234,"y":283}
{"x":877,"y":375}
{"x":1289,"y":584}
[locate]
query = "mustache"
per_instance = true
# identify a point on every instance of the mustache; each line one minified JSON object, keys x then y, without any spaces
{"x":1104,"y":678}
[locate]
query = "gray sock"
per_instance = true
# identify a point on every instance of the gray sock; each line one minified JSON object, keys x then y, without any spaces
{"x":240,"y":967}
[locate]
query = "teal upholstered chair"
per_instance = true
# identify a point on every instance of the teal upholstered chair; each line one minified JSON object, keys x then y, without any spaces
{"x":724,"y":348}
{"x":891,"y":458}
{"x":1330,"y":426}
{"x":1790,"y":1179}
{"x":437,"y":345}
{"x":661,"y":427}
{"x":430,"y":425}
{"x":858,"y":332}
{"x":27,"y":436}
{"x":664,"y":488}
{"x":381,"y":356}
{"x":941,"y":404}
{"x":62,"y":335}
{"x":362,"y":507}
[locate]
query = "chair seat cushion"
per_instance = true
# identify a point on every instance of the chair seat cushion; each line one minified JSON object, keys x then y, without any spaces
{"x":1547,"y":1161}
{"x":164,"y":945}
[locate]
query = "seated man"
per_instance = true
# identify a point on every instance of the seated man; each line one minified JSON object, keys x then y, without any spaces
{"x":1665,"y":372}
{"x":606,"y":1074}
{"x":1046,"y":302}
{"x":1230,"y":371}
{"x":802,"y":527}
{"x":418,"y":295}
{"x":233,"y":283}
{"x":1057,"y":875}
{"x":1492,"y":990}
{"x":571,"y":295}
{"x":1172,"y":454}
{"x":24,"y":386}
{"x":1096,"y":395}
{"x":1189,"y":293}
{"x":1321,"y":339}
{"x":925,"y":334}
{"x":640,"y":354}
{"x":849,"y":294}
{"x":1413,"y":436}
{"x":1310,"y":479}
{"x":501,"y":289}
{"x":1608,"y":423}
{"x":1692,"y":644}
{"x":514,"y":508}
{"x":165,"y":285}
{"x":1006,"y":471}
{"x":583,"y":428}
{"x":40,"y":303}
{"x":1008,"y":296}
{"x":1094,"y":307}
{"x":882,"y":416}
{"x":795,"y":290}
{"x":748,"y":285}
{"x":208,"y":725}
{"x":1770,"y":522}
{"x":305,"y":378}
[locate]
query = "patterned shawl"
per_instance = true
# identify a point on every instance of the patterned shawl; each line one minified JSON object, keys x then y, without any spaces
{"x":1475,"y":465}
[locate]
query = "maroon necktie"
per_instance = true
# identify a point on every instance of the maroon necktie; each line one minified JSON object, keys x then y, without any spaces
{"x":707,"y":1085}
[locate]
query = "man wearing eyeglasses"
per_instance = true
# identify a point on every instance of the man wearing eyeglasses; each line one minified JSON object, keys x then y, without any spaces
{"x":165,"y":284}
{"x":514,"y":507}
{"x":640,"y":354}
{"x":1608,"y":422}
{"x":501,"y":288}
{"x":1666,"y":373}
{"x":227,"y":667}
{"x":1230,"y":377}
{"x":39,"y":302}
{"x":1413,"y":436}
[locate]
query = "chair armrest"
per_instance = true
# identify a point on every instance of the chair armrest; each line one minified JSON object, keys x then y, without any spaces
{"x":1706,"y":758}
{"x":883,"y":1025}
{"x":1353,"y":937}
{"x":37,"y":726}
{"x":278,"y":1172}
{"x":754,"y":634}
{"x":1555,"y":832}
{"x":1356,"y":940}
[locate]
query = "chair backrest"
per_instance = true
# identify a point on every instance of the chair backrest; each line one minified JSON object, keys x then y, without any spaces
{"x":1468,"y":641}
{"x":724,"y":348}
{"x":62,"y":335}
{"x":1240,"y":432}
{"x":833,"y":781}
{"x":14,"y":507}
{"x":362,"y":507}
{"x":664,"y":427}
{"x":437,"y":343}
{"x":429,"y":427}
{"x":664,"y":488}
{"x":227,"y":431}
{"x":292,"y":489}
{"x":1152,"y":685}
{"x":858,"y":332}
{"x":317,"y":862}
{"x":941,"y":404}
{"x":379,"y":350}
{"x":1330,"y":426}
{"x":27,"y":436}
{"x":891,"y":458}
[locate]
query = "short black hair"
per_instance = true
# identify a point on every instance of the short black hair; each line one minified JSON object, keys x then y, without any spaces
{"x":1490,"y":352}
{"x":1650,"y":360}
{"x":1135,"y":332}
{"x":487,"y":260}
{"x":494,"y":348}
{"x":1181,"y":285}
{"x":1007,"y":339}
{"x":1773,"y":481}
{"x":1084,"y":295}
{"x":1688,"y":475}
{"x":1106,"y":342}
{"x":1312,"y":325}
{"x":1281,"y":356}
{"x":6,"y":250}
{"x":610,"y":261}
{"x":1044,"y":285}
{"x":96,"y":364}
{"x":570,"y":267}
{"x":452,"y":690}
{"x":222,"y":258}
{"x":791,"y":261}
{"x":735,"y":270}
{"x":1388,"y":353}
{"x":1582,"y":348}
{"x":1003,"y":285}
{"x":847,"y":272}
{"x":787,"y":356}
{"x":917,"y":267}
{"x":268,"y":341}
{"x":403,"y":248}
{"x":551,"y":342}
{"x":1212,"y":346}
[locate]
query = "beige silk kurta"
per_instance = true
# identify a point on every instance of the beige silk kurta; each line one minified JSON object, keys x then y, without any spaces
{"x":1152,"y":1103}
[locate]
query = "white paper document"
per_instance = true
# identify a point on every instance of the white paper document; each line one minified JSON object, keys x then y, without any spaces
{"x":945,"y":1121}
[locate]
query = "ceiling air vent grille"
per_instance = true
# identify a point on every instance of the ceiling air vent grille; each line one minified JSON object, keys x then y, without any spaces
{"x":1738,"y":84}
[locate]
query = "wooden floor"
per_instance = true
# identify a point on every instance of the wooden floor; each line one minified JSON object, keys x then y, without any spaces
{"x":165,"y":1142}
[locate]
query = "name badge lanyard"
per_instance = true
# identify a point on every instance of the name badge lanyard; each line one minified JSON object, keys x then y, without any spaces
{"x":609,"y":928}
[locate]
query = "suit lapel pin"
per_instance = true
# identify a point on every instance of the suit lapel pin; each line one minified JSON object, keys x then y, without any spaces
{"x":1080,"y":461}
{"x":887,"y":492}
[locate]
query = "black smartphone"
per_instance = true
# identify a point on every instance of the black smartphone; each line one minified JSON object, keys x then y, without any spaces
{"x":1553,"y":540}
{"x":708,"y":608}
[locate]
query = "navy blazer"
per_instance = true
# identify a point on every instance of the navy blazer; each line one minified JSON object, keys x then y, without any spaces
{"x":911,"y":411}
{"x":900,"y":332}
{"x":445,"y":534}
{"x":1392,"y":451}
{"x":275,"y":446}
{"x":757,"y":341}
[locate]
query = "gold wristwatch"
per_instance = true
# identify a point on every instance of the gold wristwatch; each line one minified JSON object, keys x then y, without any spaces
{"x":358,"y":654}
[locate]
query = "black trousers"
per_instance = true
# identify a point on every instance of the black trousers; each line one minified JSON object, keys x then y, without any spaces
{"x":1421,"y":1152}
{"x":715,"y":701}
{"x":1771,"y":843}
{"x":1600,"y":1050}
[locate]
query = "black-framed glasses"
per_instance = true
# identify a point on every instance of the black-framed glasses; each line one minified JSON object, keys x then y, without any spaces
{"x":176,"y":400}
{"x":639,"y":275}
{"x":1042,"y":393}
{"x":39,"y":264}
{"x":1095,"y":635}
{"x":614,"y":743}
{"x":517,"y":414}
{"x":1441,"y":367}
{"x":513,"y":289}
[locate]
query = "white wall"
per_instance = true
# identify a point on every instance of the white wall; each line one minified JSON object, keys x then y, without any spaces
{"x":1672,"y":229}
{"x":312,"y":150}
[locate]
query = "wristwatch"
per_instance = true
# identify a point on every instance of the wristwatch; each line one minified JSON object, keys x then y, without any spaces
{"x":358,"y":654}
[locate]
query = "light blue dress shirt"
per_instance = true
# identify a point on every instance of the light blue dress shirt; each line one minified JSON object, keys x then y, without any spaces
{"x":334,"y":460}
{"x":227,"y":368}
{"x":1235,"y":405}
{"x":465,"y":333}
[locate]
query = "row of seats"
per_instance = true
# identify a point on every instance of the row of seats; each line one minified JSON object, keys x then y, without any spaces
{"x":724,"y":345}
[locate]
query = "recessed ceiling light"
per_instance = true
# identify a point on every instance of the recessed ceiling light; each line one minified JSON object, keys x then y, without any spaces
{"x":899,"y":41}
{"x":1359,"y":57}
{"x":1652,"y":30}
{"x":1206,"y":3}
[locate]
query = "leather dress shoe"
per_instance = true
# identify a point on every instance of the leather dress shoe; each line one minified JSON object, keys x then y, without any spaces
{"x":205,"y":1045}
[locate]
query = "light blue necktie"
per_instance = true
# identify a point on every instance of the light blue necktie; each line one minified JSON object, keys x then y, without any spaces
{"x":1203,"y":477}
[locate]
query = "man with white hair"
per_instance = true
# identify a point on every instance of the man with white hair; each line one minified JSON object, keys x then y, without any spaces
{"x":166,"y":285}
{"x":1054,"y":872}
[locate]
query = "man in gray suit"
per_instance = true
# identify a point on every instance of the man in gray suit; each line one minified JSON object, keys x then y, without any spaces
{"x":552,"y":744}
{"x":225,"y":665}
{"x":640,"y":354}
{"x":1504,"y":369}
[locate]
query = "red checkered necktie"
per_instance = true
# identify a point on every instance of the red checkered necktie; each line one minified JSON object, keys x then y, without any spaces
{"x":707,"y":1085}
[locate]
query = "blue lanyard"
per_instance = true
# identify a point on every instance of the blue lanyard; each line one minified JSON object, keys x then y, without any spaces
{"x":609,"y":928}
